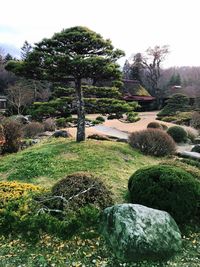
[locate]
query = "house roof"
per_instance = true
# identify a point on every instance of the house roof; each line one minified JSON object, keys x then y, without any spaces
{"x":138,"y":98}
{"x":192,"y":91}
{"x":134,"y":88}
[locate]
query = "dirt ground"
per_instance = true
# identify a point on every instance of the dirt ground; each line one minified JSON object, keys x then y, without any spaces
{"x":146,"y":118}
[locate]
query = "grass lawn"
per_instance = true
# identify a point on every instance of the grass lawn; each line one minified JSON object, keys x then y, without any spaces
{"x":52,"y":160}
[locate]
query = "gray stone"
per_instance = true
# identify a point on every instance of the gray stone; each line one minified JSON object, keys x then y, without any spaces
{"x":196,"y":148}
{"x":135,"y":232}
{"x":61,"y":133}
{"x":192,"y":155}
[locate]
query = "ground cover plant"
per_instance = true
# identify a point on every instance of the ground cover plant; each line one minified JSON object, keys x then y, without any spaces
{"x":48,"y":162}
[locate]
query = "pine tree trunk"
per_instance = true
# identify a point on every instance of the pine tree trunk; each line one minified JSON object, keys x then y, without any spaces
{"x":80,"y":136}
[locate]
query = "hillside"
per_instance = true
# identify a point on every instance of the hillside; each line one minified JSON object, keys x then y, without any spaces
{"x":53,"y":159}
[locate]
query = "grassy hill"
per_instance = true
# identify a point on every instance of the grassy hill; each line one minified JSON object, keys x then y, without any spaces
{"x":53,"y":159}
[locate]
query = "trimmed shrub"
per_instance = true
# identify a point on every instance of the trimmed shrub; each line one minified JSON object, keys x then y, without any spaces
{"x":154,"y":125}
{"x":13,"y":135}
{"x":132,"y":117}
{"x":191,"y":134}
{"x":82,"y":189}
{"x":186,"y":165}
{"x":64,"y":122}
{"x":177,"y":103}
{"x":32,"y":129}
{"x":96,"y":122}
{"x":166,"y":188}
{"x":164,"y":127}
{"x":178,"y":134}
{"x":49,"y":125}
{"x":152,"y":142}
{"x":195,"y":121}
{"x":100,"y":118}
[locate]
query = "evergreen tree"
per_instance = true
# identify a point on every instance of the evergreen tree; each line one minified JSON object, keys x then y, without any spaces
{"x":74,"y":54}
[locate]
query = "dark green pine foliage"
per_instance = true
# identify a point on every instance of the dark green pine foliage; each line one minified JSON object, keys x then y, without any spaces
{"x":73,"y":54}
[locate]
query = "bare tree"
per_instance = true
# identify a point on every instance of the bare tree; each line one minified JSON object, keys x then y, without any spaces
{"x":152,"y":63}
{"x":19,"y":96}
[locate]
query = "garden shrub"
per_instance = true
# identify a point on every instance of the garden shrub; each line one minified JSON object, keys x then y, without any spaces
{"x":164,"y":127}
{"x":178,"y":134}
{"x":2,"y":135}
{"x":132,"y":117}
{"x":96,"y":122}
{"x":32,"y":129}
{"x":166,"y":188}
{"x":49,"y":125}
{"x":177,"y":103}
{"x":154,"y":125}
{"x":195,"y":121}
{"x":185,"y":164}
{"x":191,"y":134}
{"x":100,"y":118}
{"x":152,"y":142}
{"x":77,"y":183}
{"x":10,"y":191}
{"x":13,"y":134}
{"x":24,"y":213}
{"x":63,"y":122}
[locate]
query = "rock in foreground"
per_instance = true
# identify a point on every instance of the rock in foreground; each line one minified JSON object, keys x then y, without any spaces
{"x":135,"y":232}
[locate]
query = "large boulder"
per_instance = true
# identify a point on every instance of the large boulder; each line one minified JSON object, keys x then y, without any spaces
{"x":135,"y":232}
{"x":61,"y":133}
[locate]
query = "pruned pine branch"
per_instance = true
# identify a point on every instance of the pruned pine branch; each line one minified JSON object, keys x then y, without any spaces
{"x":66,"y":201}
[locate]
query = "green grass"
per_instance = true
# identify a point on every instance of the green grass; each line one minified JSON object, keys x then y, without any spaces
{"x":52,"y":160}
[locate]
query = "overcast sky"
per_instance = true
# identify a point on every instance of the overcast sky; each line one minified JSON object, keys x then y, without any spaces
{"x":132,"y":25}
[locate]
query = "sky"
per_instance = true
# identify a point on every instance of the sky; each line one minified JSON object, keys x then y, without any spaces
{"x":132,"y":25}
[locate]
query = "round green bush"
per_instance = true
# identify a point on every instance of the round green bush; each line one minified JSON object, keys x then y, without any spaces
{"x":167,"y":188}
{"x":153,"y":142}
{"x":100,"y":118}
{"x":154,"y":125}
{"x":178,"y":134}
{"x":83,"y":189}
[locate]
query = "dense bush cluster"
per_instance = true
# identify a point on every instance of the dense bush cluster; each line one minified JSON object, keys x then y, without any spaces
{"x":178,"y":134}
{"x":152,"y":142}
{"x":155,"y":125}
{"x":181,"y":118}
{"x":12,"y":134}
{"x":177,"y":103}
{"x":132,"y":117}
{"x":32,"y":129}
{"x":31,"y":210}
{"x":166,"y":188}
{"x":49,"y":125}
{"x":195,"y":121}
{"x":75,"y":184}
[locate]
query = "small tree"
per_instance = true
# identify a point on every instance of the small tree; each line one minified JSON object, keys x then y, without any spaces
{"x":19,"y":96}
{"x":177,"y":103}
{"x":74,"y":54}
